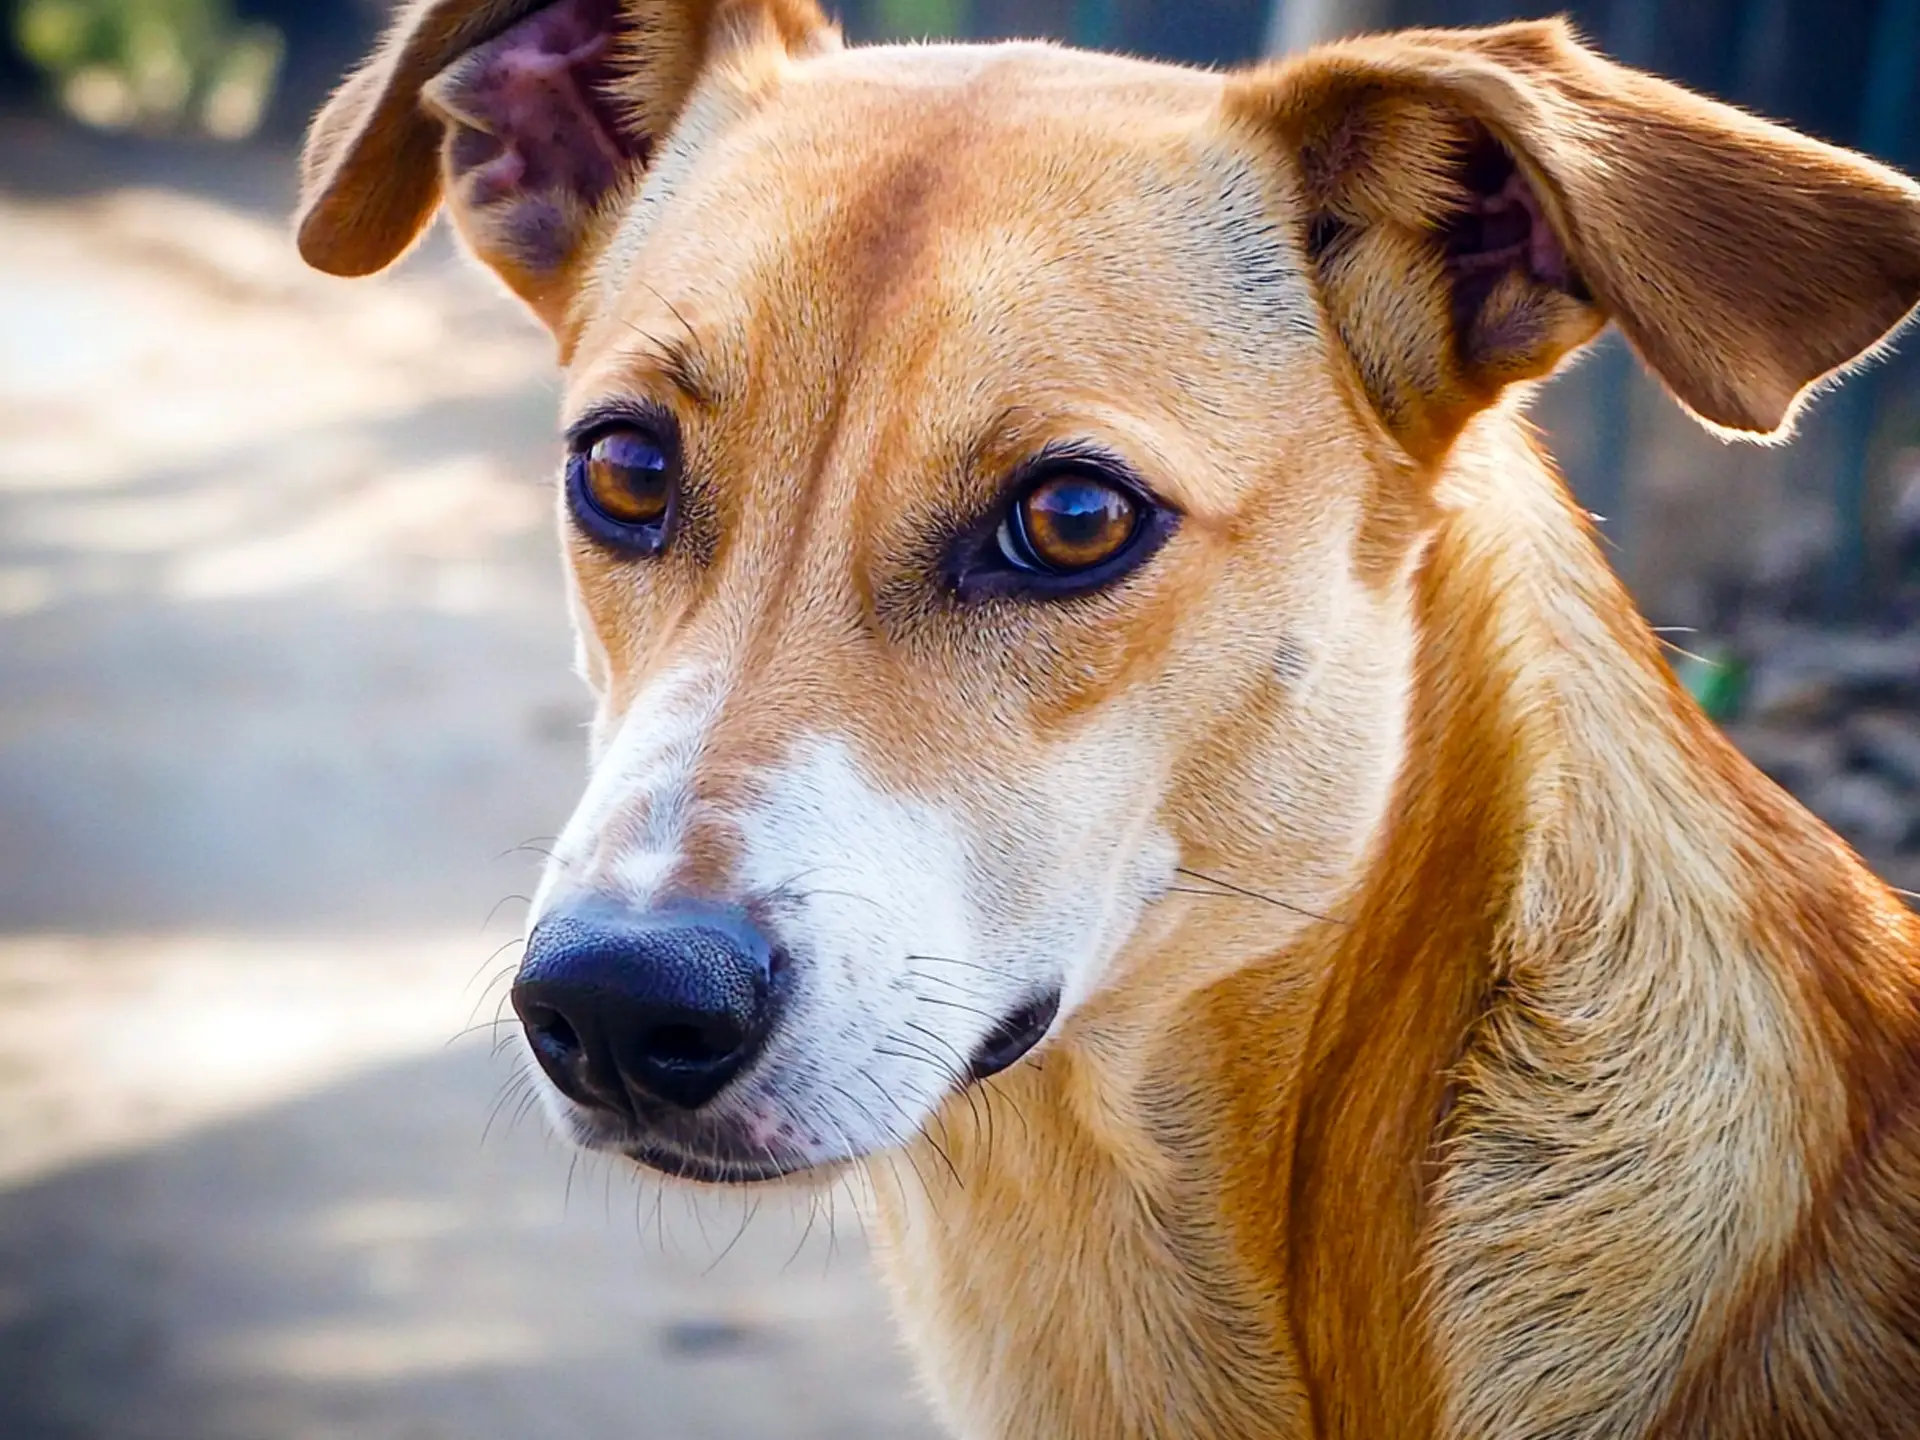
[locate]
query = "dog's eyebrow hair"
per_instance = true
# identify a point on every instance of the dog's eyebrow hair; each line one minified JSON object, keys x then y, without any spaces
{"x":994,"y":433}
{"x":673,"y":360}
{"x":679,"y":364}
{"x":682,"y":368}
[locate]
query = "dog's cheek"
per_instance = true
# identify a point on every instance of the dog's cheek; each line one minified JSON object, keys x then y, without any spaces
{"x":1070,"y":852}
{"x":867,"y":877}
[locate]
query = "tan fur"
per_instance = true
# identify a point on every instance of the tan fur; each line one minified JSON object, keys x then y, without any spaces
{"x":1512,"y":1059}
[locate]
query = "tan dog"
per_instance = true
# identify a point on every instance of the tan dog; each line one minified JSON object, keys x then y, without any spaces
{"x":1060,"y":557}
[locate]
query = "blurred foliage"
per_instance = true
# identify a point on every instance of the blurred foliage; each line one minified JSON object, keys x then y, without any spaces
{"x":1715,"y":677}
{"x":912,"y":19}
{"x":153,"y":64}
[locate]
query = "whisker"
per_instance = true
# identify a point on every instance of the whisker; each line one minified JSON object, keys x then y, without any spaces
{"x":956,"y":1005}
{"x":672,"y":310}
{"x":531,"y":1099}
{"x":491,"y":957}
{"x":912,"y":1126}
{"x":957,"y":1082}
{"x":833,"y":1238}
{"x":813,"y":1214}
{"x":746,"y":1219}
{"x":532,"y":846}
{"x":989,"y":1088}
{"x":949,"y":960}
{"x":945,"y":1044}
{"x":843,"y":895}
{"x":503,"y":900}
{"x":882,"y":1133}
{"x":920,"y":1132}
{"x":1243,"y":891}
{"x":475,"y":1029}
{"x":515,"y":1086}
{"x":660,"y":1216}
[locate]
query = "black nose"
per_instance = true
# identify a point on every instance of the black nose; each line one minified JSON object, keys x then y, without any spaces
{"x":621,"y":1006}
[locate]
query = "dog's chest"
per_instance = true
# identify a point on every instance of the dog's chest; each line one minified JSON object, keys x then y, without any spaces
{"x":1051,"y":1297}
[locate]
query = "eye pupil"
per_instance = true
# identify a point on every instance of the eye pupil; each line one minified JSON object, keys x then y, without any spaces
{"x":1075,"y":522}
{"x":628,"y":478}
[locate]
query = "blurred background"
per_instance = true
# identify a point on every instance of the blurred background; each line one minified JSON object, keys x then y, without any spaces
{"x":286,"y":714}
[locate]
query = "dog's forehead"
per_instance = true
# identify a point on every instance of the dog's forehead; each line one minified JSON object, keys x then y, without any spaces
{"x":983,"y":228}
{"x":1018,"y":72}
{"x":903,"y":178}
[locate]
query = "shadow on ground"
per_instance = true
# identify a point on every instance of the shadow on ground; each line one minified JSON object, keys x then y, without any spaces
{"x":359,"y":1263}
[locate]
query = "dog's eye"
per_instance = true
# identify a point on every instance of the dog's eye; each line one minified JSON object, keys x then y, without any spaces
{"x":1069,"y":522}
{"x":621,"y":487}
{"x":1076,"y":519}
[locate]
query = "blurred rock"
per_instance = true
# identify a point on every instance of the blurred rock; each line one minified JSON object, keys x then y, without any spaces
{"x":1796,"y":758}
{"x":1867,"y":810}
{"x":1808,"y":672}
{"x":1886,"y":742}
{"x":1833,"y":715}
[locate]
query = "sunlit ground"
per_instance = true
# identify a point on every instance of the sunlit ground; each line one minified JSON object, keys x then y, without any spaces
{"x":285,"y":680}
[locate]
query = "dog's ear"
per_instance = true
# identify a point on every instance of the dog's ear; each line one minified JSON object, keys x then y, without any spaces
{"x":1479,"y":203}
{"x":530,"y":116}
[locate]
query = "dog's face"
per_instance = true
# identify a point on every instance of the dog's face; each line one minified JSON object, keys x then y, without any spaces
{"x":995,"y":477}
{"x":973,"y":615}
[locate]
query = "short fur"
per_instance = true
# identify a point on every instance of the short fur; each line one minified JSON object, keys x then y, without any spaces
{"x":1460,"y":1039}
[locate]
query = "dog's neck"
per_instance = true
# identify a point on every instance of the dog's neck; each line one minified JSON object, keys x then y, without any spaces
{"x":1544,"y":1095}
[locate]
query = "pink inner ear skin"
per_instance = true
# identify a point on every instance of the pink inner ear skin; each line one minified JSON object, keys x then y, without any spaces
{"x":1506,"y":227}
{"x":1518,"y":206}
{"x":1501,"y":229}
{"x":532,"y":126}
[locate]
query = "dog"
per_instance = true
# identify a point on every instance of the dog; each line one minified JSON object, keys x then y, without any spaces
{"x":1109,"y":723}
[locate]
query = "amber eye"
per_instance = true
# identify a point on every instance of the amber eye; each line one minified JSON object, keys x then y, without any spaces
{"x":627,"y":478}
{"x":1071,"y":522}
{"x":622,"y":487}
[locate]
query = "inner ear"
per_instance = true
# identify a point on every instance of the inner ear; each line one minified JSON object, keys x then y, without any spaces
{"x":1440,"y":259}
{"x":1512,"y":285}
{"x":536,"y":140}
{"x":1501,"y":228}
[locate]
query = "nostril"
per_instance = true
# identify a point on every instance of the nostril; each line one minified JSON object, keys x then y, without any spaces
{"x":551,"y":1029}
{"x":690,"y":1046}
{"x":574,"y":1061}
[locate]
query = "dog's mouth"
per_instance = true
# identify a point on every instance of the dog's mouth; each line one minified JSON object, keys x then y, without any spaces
{"x":1014,"y":1037}
{"x":698,"y":1150}
{"x":707,"y":1153}
{"x":724,"y":1170}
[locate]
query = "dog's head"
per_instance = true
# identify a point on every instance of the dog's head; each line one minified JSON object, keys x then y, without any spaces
{"x":994,"y":481}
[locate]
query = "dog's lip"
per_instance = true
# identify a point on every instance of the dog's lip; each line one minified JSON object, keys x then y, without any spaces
{"x":689,"y":1158}
{"x":678,"y":1165}
{"x":1014,"y":1037}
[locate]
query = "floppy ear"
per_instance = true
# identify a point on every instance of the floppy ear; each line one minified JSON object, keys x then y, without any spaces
{"x":1478,"y":203}
{"x":533,"y":117}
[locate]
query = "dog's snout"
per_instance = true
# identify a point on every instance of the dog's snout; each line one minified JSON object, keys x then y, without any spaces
{"x":621,"y":1008}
